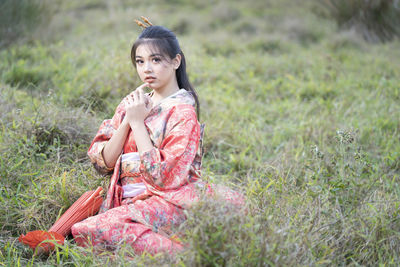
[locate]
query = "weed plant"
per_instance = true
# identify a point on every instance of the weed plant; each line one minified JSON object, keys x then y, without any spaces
{"x":19,"y":19}
{"x":300,"y":116}
{"x":375,"y":21}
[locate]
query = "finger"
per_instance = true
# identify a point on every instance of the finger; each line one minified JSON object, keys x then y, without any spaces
{"x":128,"y":97}
{"x":127,"y":101}
{"x":132,"y":96}
{"x":135,"y":95}
{"x":144,"y":97}
{"x":141,"y":88}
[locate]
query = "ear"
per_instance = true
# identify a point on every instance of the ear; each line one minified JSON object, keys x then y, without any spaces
{"x":176,"y":62}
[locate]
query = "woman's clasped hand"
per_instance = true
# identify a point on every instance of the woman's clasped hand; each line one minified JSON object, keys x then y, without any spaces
{"x":138,"y":106}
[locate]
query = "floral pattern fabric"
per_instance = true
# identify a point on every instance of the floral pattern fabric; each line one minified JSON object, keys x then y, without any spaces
{"x":170,"y":172}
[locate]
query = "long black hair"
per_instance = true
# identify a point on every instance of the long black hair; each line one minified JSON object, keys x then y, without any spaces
{"x":166,"y":43}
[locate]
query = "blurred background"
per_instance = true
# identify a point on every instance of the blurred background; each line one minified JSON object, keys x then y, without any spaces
{"x":50,"y":21}
{"x":300,"y":101}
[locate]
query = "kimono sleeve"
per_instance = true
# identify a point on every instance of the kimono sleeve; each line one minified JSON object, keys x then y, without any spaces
{"x":105,"y":132}
{"x":168,"y":166}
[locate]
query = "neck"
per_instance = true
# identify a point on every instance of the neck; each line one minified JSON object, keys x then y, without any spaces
{"x":161,"y":93}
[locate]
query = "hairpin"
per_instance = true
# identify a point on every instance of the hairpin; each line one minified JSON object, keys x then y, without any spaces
{"x":145,"y":20}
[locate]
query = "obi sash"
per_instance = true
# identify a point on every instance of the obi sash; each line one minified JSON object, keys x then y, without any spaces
{"x":130,"y":175}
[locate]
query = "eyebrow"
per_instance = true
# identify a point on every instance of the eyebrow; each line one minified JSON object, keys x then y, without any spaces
{"x":152,"y":55}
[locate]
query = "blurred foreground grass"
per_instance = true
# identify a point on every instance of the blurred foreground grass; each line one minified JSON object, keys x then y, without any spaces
{"x":302,"y":118}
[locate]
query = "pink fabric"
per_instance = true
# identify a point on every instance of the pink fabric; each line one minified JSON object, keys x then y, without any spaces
{"x":132,"y":190}
{"x":138,"y":224}
{"x":170,"y":172}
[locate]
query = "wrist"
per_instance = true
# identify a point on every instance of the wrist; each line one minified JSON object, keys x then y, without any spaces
{"x":124,"y":124}
{"x":136,"y":124}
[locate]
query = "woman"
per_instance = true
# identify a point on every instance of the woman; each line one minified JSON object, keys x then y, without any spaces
{"x":157,"y":174}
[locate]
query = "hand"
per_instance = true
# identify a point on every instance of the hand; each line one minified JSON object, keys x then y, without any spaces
{"x":137,"y":105}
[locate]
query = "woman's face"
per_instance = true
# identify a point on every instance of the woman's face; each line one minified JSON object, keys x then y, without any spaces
{"x":155,"y":69}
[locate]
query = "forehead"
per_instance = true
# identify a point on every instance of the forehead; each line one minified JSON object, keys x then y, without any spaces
{"x":146,"y":50}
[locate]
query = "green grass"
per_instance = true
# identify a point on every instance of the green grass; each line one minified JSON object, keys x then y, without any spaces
{"x":301,"y":117}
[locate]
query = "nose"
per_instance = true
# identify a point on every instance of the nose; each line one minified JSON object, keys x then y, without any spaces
{"x":147,"y":67}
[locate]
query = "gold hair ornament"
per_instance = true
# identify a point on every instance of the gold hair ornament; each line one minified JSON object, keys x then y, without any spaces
{"x":143,"y":24}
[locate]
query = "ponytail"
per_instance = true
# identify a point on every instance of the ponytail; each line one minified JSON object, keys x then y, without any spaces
{"x":183,"y":82}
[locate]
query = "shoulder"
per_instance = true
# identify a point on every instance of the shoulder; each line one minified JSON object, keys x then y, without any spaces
{"x":180,"y":98}
{"x":182,"y":115}
{"x":184,"y":97}
{"x":183,"y":112}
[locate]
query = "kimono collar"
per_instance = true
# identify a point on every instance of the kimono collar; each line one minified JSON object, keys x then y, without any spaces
{"x":180,"y":97}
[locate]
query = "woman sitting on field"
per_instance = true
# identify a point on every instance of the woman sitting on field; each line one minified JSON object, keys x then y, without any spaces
{"x":152,"y":146}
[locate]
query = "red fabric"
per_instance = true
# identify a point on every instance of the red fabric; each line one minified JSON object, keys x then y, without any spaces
{"x":87,"y":205}
{"x":148,"y":220}
{"x":38,"y":237}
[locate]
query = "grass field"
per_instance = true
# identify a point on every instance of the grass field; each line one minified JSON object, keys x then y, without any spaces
{"x":302,"y":117}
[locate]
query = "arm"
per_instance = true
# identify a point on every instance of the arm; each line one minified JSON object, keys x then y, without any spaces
{"x":113,"y":147}
{"x":105,"y":133}
{"x":142,"y":138}
{"x":138,"y":106}
{"x":109,"y":140}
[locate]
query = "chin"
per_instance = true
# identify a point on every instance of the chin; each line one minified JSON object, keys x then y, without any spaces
{"x":151,"y":86}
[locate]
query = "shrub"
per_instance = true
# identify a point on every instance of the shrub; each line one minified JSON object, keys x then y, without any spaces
{"x":21,"y":75}
{"x":20,"y":18}
{"x":216,"y":232}
{"x":38,"y":145}
{"x":376,"y":21}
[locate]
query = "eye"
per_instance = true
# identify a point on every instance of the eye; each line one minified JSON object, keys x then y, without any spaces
{"x":139,"y":61}
{"x":156,"y":60}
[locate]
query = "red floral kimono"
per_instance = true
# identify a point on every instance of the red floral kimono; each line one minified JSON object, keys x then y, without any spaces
{"x":169,"y":172}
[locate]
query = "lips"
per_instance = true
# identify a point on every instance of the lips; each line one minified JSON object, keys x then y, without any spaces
{"x":149,"y":79}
